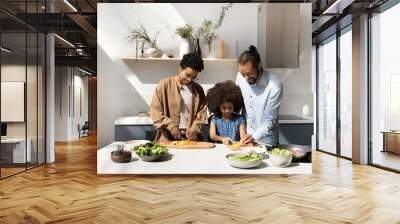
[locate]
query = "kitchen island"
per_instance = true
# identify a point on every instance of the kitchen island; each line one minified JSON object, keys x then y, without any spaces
{"x":190,"y":161}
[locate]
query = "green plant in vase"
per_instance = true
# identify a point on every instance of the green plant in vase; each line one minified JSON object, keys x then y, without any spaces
{"x":186,"y":33}
{"x":207,"y":33}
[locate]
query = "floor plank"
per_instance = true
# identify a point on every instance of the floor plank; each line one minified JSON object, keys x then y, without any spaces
{"x":70,"y":191}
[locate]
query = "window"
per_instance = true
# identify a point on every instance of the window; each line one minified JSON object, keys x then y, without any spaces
{"x":346,"y":92}
{"x":385,"y":89}
{"x":327,"y":96}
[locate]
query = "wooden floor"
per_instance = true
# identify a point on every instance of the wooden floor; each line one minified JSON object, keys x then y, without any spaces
{"x":70,"y":191}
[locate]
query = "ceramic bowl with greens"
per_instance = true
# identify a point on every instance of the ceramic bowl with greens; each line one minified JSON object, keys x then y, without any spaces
{"x":150,"y":151}
{"x":244,"y":160}
{"x":280,"y":157}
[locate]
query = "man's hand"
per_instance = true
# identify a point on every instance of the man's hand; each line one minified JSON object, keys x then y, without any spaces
{"x":226,"y":140}
{"x":176,"y":133}
{"x":192,"y":135}
{"x":247,"y":139}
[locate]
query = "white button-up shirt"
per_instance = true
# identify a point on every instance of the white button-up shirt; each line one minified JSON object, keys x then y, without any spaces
{"x":262,"y":101}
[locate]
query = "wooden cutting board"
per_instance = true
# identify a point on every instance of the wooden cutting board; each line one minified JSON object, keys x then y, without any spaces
{"x":196,"y":145}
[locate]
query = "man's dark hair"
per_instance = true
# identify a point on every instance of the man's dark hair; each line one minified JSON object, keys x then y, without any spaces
{"x":251,"y":56}
{"x":224,"y":92}
{"x":193,"y":61}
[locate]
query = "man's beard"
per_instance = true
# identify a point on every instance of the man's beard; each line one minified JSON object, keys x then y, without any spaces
{"x":252,"y":81}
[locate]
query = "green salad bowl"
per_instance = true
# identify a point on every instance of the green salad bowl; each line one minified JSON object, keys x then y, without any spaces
{"x":244,"y":160}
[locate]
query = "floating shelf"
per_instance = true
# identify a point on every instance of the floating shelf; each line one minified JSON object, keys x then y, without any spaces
{"x":178,"y":59}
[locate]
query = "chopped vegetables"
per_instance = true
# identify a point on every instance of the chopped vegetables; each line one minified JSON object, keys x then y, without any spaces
{"x":246,"y":156}
{"x":237,"y":145}
{"x":184,"y":142}
{"x":150,"y":149}
{"x":280,"y":152}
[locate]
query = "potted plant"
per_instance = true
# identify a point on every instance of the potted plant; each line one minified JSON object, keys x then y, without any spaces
{"x":140,"y":34}
{"x":186,"y":33}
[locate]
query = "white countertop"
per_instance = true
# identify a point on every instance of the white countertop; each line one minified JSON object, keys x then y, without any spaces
{"x":185,"y":161}
{"x":138,"y":120}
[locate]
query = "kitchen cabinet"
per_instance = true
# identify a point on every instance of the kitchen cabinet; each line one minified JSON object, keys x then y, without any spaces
{"x":291,"y":131}
{"x":278,"y":37}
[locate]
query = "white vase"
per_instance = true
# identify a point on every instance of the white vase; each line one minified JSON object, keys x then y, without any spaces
{"x":184,"y":48}
{"x":306,"y":111}
{"x":212,"y":53}
{"x":152,"y":52}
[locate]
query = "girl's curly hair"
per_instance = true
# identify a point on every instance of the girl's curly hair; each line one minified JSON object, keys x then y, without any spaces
{"x":223,"y":92}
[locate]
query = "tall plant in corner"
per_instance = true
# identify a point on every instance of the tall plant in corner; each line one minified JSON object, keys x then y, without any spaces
{"x":208,"y":31}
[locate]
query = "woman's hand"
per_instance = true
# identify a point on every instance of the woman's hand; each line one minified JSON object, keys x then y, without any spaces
{"x":226,"y":140}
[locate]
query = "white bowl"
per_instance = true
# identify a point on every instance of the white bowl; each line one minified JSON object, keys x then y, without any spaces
{"x":280,"y":161}
{"x":243,"y":164}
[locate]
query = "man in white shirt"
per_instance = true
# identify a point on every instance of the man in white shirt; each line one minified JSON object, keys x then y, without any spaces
{"x":262,"y":94}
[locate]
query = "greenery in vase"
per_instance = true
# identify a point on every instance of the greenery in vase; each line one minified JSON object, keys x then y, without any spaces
{"x":185,"y":31}
{"x":142,"y":35}
{"x":208,"y":31}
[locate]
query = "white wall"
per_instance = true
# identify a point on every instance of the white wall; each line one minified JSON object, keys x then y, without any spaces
{"x":66,"y":121}
{"x":125,"y":87}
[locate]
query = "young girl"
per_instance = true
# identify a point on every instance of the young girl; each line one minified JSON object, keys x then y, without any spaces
{"x":225,"y":103}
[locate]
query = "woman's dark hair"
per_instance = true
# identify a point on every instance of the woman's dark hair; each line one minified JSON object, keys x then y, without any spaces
{"x":224,"y":92}
{"x":193,"y":61}
{"x":251,"y":56}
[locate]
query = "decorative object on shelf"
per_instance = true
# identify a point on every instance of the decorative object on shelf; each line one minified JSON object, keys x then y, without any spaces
{"x":186,"y":33}
{"x":306,"y":111}
{"x":152,"y":52}
{"x":184,"y":48}
{"x":142,"y":49}
{"x":197,"y":50}
{"x":208,"y":31}
{"x":141,"y":34}
{"x":221,"y":48}
{"x":208,"y":34}
{"x":120,"y":155}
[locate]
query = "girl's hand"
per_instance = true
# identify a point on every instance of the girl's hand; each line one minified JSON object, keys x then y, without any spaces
{"x":227,"y":140}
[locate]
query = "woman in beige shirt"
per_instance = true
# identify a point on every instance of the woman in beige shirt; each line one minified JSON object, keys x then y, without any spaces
{"x":178,"y":108}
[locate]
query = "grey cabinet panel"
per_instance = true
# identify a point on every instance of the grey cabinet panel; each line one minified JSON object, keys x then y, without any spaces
{"x":132,"y":132}
{"x":296,"y":134}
